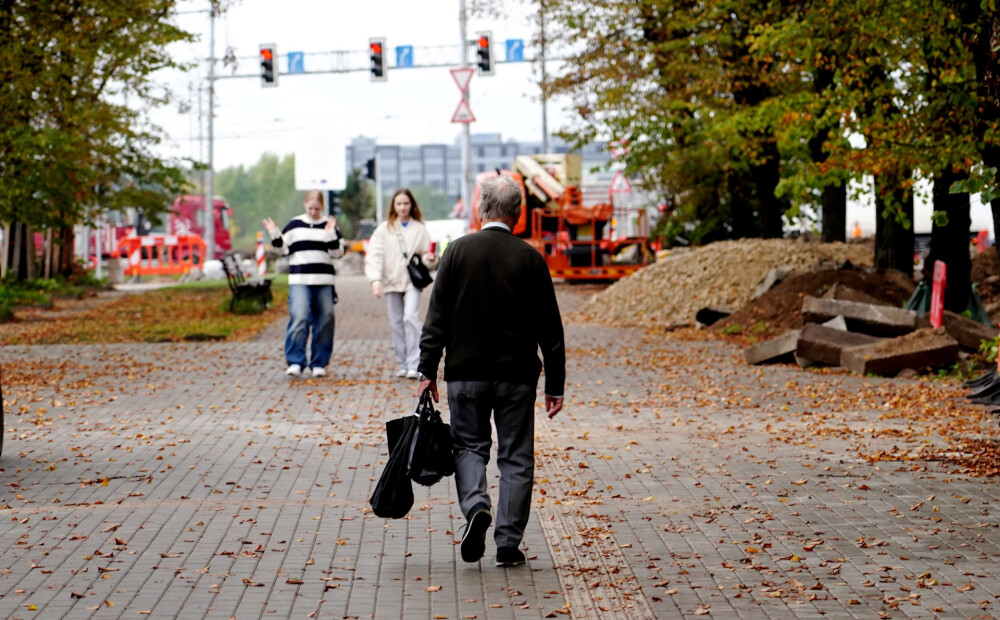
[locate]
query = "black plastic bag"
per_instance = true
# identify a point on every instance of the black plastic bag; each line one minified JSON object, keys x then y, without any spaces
{"x":431,"y":454}
{"x":393,"y":495}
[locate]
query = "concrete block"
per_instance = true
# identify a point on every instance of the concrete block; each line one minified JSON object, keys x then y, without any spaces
{"x":778,"y":349}
{"x":771,"y":279}
{"x":846,"y":293}
{"x":922,"y":348}
{"x":967,"y":332}
{"x":825,"y":344}
{"x":803,"y":362}
{"x":864,"y":318}
{"x":837,"y":322}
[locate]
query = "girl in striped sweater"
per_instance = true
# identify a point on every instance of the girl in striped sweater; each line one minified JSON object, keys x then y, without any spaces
{"x":311,"y":242}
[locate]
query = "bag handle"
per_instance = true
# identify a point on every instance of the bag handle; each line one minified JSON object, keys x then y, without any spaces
{"x":402,"y":244}
{"x":425,"y":407}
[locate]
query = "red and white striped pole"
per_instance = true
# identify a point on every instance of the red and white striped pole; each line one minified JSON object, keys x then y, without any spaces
{"x":937,"y":293}
{"x":259,"y":253}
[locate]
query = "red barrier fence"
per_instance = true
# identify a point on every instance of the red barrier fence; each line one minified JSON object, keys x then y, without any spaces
{"x":151,"y":255}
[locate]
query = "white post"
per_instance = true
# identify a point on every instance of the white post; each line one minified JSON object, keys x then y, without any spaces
{"x":378,"y":188}
{"x":466,"y":131}
{"x":210,"y":172}
{"x":98,"y":247}
{"x":545,"y":101}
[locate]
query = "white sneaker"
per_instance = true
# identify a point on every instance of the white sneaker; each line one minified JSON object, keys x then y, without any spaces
{"x":401,"y":372}
{"x":412,"y":374}
{"x":294,"y":370}
{"x":319,"y":371}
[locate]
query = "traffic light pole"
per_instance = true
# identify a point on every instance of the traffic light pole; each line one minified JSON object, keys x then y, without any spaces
{"x":210,"y":173}
{"x":466,"y":132}
{"x":545,"y":101}
{"x":378,"y":190}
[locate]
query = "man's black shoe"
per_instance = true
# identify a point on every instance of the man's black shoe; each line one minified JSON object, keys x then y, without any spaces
{"x":474,"y":541}
{"x":509,"y":556}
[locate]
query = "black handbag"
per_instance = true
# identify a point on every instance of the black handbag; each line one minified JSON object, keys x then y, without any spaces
{"x":419,"y":274}
{"x":393,"y":495}
{"x":431,"y":454}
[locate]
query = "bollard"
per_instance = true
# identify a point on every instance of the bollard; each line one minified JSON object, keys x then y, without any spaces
{"x":937,"y":294}
{"x":259,"y":254}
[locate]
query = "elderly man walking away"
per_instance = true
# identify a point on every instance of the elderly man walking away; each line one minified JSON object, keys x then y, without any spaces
{"x":492,"y":307}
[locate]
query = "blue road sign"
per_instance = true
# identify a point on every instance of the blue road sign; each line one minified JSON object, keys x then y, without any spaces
{"x":404,"y":56}
{"x":296,"y":62}
{"x":515,"y":50}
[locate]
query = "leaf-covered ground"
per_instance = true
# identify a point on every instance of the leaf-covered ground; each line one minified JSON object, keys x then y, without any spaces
{"x":186,"y":313}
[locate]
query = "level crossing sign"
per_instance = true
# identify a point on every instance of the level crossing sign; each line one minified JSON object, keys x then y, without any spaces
{"x":462,"y":77}
{"x":463,"y":113}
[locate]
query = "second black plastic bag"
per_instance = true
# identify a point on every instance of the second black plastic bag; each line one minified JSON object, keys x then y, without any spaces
{"x":431,"y":455}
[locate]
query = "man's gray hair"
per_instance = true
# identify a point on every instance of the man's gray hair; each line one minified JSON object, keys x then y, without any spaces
{"x":500,"y":199}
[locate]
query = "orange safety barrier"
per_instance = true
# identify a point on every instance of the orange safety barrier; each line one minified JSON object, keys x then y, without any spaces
{"x":152,"y":255}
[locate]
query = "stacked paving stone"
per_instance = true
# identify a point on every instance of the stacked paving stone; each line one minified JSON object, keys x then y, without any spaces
{"x":851,"y":329}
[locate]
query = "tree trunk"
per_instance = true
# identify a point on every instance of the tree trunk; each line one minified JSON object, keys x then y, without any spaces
{"x":765,"y":178}
{"x":834,"y":205}
{"x":66,"y":266}
{"x":20,"y":258}
{"x":893,"y":240}
{"x":741,"y":211}
{"x":950,"y":243}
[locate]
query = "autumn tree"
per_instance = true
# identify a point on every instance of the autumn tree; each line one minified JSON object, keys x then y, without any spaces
{"x":76,"y":82}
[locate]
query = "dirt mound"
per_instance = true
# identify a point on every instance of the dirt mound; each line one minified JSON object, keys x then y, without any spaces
{"x":780,"y":309}
{"x":986,"y":276}
{"x":723,"y":274}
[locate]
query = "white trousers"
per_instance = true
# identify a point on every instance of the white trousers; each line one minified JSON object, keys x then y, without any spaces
{"x":404,"y":322}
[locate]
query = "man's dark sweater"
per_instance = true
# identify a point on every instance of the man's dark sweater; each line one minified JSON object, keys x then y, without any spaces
{"x":492,"y":306}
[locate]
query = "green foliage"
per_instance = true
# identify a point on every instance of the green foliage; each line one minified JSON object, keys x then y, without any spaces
{"x":244,"y":305}
{"x":732,"y":329}
{"x":40,"y":292}
{"x":266,"y":189}
{"x":742,"y":110}
{"x":434,"y":205}
{"x":357,"y":202}
{"x":989,"y":349}
{"x":76,"y":86}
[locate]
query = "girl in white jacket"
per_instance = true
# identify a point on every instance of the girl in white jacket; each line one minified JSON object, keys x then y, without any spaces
{"x":392,"y":244}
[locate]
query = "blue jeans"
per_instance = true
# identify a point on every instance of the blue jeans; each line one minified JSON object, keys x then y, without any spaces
{"x":310,"y":308}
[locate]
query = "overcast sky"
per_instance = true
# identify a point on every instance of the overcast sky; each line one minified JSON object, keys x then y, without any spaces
{"x":306,"y":112}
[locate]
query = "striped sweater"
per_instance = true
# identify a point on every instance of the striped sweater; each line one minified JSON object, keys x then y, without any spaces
{"x":310,"y":250}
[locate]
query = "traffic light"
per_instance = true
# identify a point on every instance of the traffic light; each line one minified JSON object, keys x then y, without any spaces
{"x":377,"y":46}
{"x":370,"y":169}
{"x":484,"y":53}
{"x":268,"y":74}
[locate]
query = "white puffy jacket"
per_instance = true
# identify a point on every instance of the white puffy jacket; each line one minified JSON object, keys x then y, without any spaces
{"x":384,"y":260}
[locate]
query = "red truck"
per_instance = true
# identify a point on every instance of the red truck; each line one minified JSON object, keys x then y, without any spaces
{"x":187,"y":217}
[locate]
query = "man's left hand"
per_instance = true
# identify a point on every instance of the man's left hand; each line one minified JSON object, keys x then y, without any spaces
{"x":428,"y":384}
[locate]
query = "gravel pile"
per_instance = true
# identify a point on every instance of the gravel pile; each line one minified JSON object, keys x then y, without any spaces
{"x":724,"y":274}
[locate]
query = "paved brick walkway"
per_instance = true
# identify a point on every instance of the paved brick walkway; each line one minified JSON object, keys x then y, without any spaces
{"x":196,"y":481}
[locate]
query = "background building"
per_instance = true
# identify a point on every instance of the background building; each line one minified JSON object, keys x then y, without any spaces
{"x":440,"y":165}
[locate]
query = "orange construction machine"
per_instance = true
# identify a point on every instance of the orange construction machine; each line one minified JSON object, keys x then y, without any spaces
{"x":581,"y":234}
